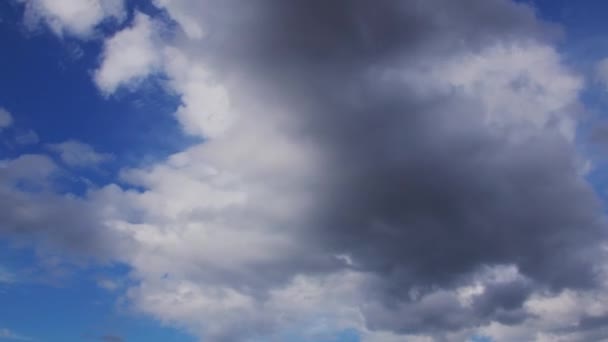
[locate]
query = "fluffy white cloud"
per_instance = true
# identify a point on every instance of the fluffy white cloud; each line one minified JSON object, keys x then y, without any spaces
{"x":6,"y":119}
{"x":206,"y":109}
{"x":76,"y":153}
{"x":74,"y":17}
{"x":135,"y":53}
{"x":521,"y":84}
{"x":129,"y":55}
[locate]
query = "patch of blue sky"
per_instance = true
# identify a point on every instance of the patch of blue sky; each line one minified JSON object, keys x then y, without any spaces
{"x":296,"y":335}
{"x":49,"y":90}
{"x":480,"y":338}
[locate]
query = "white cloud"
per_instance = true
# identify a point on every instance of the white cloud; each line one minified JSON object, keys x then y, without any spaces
{"x":136,"y":52}
{"x":74,"y":17}
{"x":129,"y":56}
{"x":6,"y":119}
{"x":78,"y":154}
{"x":206,"y":108}
{"x":520,"y":84}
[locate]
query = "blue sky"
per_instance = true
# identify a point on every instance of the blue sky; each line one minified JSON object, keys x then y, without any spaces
{"x":48,"y":85}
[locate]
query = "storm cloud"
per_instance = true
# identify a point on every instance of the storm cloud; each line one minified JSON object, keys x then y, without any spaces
{"x":417,"y":183}
{"x":417,"y":143}
{"x":403,"y":168}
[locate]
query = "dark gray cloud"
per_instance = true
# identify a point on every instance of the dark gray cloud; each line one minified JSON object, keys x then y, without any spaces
{"x":342,"y":34}
{"x":440,"y":201}
{"x":417,"y":189}
{"x":439,"y":312}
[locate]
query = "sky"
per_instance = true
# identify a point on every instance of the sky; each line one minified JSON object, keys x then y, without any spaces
{"x":303,"y":170}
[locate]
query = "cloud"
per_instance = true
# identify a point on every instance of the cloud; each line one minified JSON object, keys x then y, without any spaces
{"x":206,"y":109}
{"x":181,"y":12}
{"x":427,"y":165}
{"x":77,"y":154}
{"x":6,"y":119}
{"x":7,"y":277}
{"x":108,"y":284}
{"x":28,"y":137}
{"x":34,"y":210}
{"x":128,"y":56}
{"x":74,"y":17}
{"x":7,"y":334}
{"x":111,"y":338}
{"x":405,"y":169}
{"x":602,"y":72}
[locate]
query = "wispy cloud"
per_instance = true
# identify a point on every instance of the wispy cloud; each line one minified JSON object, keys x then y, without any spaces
{"x":111,"y":338}
{"x":77,"y":154}
{"x":7,"y":277}
{"x":7,"y":334}
{"x":6,"y":119}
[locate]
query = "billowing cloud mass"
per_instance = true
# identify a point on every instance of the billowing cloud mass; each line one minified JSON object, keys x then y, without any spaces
{"x":74,"y":17}
{"x":407,"y":169}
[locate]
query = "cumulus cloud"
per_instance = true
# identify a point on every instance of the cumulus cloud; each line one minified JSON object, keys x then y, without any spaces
{"x":77,"y":154}
{"x":416,"y":153}
{"x":407,"y":169}
{"x":74,"y":17}
{"x":128,"y":56}
{"x":6,"y":119}
{"x":34,"y":210}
